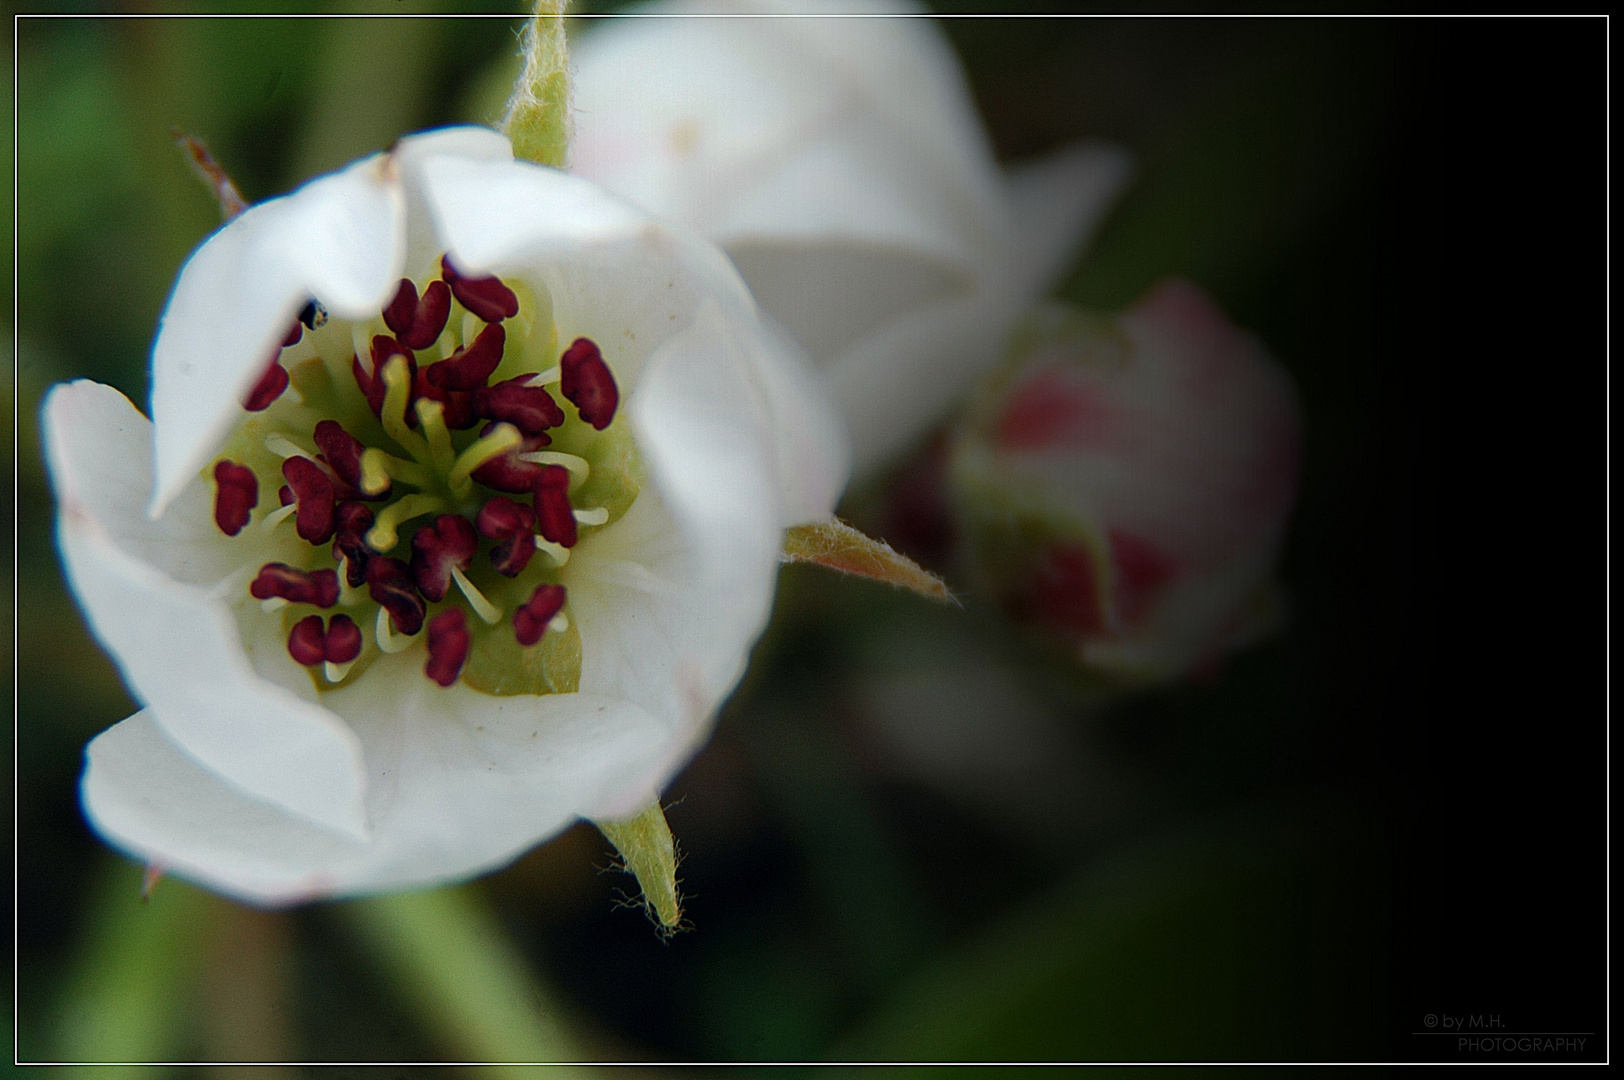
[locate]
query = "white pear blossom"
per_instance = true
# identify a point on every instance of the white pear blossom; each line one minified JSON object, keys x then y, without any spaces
{"x":841,"y":163}
{"x":312,"y":727}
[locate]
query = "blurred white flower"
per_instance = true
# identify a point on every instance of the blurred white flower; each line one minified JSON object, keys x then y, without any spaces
{"x":586,"y":577}
{"x":841,"y":164}
{"x":1124,"y":483}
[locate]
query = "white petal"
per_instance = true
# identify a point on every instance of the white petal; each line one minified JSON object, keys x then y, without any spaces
{"x":670,"y":599}
{"x":831,"y":297}
{"x":783,"y":129}
{"x":1059,"y":201}
{"x":628,"y":282}
{"x":460,"y":782}
{"x":490,"y":213}
{"x":340,"y":239}
{"x":423,"y":248}
{"x":814,"y":455}
{"x":146,"y":589}
{"x":893,"y":386}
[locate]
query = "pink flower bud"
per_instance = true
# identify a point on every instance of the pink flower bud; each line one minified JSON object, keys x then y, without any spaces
{"x":1124,"y":483}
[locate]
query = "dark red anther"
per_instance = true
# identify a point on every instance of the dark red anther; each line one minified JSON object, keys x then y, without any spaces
{"x":370,"y":380}
{"x":486,"y":297}
{"x":506,"y":472}
{"x":530,"y":621}
{"x":448,"y":646}
{"x":236,"y":492}
{"x":343,"y":640}
{"x":337,"y":643}
{"x":555,"y":517}
{"x":268,"y":389}
{"x":469,"y":367}
{"x":389,"y":582}
{"x":285,"y":496}
{"x":588,"y":383}
{"x":418,"y":323}
{"x":350,"y":540}
{"x":342,"y":453}
{"x":531,"y":409}
{"x":449,"y":541}
{"x":313,"y":489}
{"x":307,"y":641}
{"x":456,"y":407}
{"x":318,"y":587}
{"x":511,"y":524}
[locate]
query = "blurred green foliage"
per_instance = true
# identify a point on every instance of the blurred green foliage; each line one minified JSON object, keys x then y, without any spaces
{"x":1223,"y":895}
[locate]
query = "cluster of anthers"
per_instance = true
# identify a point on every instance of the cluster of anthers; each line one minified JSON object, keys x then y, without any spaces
{"x":356,"y":448}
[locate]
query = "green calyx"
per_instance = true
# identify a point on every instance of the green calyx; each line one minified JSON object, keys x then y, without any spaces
{"x":425,"y":469}
{"x":537,"y":115}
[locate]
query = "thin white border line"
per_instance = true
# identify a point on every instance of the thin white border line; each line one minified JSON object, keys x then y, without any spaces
{"x":801,"y":15}
{"x":16,"y":575}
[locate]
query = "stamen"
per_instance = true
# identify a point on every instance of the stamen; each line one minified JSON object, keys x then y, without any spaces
{"x":559,"y":623}
{"x":268,"y":389}
{"x":469,"y":367}
{"x":529,"y":408}
{"x":431,"y":418}
{"x":534,"y":617}
{"x":343,"y":642}
{"x":335,"y":672}
{"x":284,"y":447}
{"x":418,"y":322}
{"x":507,"y":472}
{"x":459,"y":413}
{"x":476,"y":599}
{"x":441,"y":550}
{"x":342,"y":452}
{"x":508,"y":522}
{"x":279,"y":580}
{"x":236,"y":494}
{"x":278,"y":516}
{"x":389,"y":582}
{"x":316,"y":499}
{"x":596,"y":515}
{"x":388,"y":642}
{"x":546,"y":378}
{"x":382,"y":536}
{"x":448,"y":646}
{"x":358,"y":343}
{"x":486,"y":297}
{"x":273,"y":605}
{"x":588,"y":383}
{"x":554,"y":516}
{"x":397,"y":378}
{"x":378,"y":467}
{"x":556,"y":552}
{"x":338,"y":644}
{"x":349,"y":593}
{"x":307,"y":641}
{"x":498,"y":441}
{"x":349,"y":541}
{"x":579,"y":467}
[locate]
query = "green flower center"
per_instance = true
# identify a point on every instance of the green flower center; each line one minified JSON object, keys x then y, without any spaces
{"x":429,"y":488}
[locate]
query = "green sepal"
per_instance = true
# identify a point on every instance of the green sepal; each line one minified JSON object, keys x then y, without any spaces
{"x":537,"y":116}
{"x":645,"y":843}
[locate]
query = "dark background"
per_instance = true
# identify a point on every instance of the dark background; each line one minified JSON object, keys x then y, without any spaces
{"x":1394,"y":808}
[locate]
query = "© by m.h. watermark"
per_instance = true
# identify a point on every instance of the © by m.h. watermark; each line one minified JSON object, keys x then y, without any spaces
{"x":1490,"y":1033}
